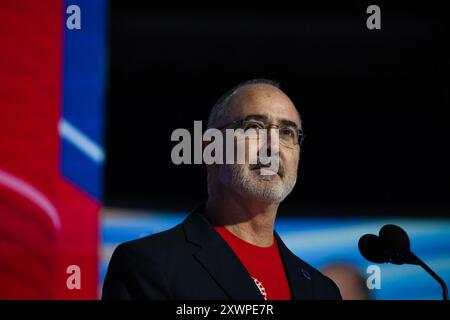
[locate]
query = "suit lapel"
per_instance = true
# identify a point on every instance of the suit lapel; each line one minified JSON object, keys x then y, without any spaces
{"x":299,"y":277}
{"x":219,"y":259}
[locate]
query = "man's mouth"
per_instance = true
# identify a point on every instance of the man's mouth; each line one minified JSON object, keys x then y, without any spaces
{"x":259,"y":166}
{"x":266,"y":168}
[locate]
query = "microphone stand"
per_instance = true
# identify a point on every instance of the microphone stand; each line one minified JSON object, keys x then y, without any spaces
{"x":416,"y":260}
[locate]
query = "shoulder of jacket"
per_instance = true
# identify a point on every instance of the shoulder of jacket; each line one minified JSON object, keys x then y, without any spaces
{"x":157,"y":244}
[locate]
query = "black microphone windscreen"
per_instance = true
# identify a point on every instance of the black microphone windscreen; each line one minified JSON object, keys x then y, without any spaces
{"x":372,"y":248}
{"x":395,"y":238}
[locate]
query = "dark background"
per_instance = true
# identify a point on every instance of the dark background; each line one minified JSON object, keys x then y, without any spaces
{"x":373,"y":102}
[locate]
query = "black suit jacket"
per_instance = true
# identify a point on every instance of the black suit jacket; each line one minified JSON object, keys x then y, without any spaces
{"x":191,"y":261}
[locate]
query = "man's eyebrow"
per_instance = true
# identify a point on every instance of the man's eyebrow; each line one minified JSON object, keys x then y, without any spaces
{"x":288,"y":123}
{"x":255,"y":117}
{"x":262,"y":117}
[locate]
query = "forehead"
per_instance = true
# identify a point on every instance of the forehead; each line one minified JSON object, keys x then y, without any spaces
{"x":262,"y":99}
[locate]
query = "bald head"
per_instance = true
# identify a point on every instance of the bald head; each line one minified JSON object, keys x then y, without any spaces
{"x":259,"y":96}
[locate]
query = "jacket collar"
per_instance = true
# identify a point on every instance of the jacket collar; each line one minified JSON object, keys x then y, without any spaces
{"x":298,"y":274}
{"x":225,"y":267}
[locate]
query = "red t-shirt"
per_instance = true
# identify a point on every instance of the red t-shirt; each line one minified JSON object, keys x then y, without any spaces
{"x":262,"y":263}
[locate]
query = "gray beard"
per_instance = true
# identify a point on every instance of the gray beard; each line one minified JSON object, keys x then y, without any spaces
{"x":243,"y":183}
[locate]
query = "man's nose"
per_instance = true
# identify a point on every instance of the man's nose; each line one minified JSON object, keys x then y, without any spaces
{"x":269,"y":142}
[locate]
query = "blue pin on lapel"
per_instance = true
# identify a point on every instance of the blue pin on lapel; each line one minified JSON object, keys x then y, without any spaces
{"x":306,"y":274}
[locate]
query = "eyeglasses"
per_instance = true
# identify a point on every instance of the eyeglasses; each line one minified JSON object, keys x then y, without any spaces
{"x":290,"y":136}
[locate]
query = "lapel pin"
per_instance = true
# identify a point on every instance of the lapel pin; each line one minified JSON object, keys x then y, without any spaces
{"x":306,"y":274}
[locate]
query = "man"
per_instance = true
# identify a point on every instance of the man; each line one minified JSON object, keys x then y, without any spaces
{"x":227,"y":248}
{"x":349,"y":279}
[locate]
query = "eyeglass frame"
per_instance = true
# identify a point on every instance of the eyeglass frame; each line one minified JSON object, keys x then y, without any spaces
{"x":301,"y":135}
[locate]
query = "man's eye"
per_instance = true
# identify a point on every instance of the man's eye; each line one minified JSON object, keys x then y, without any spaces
{"x":287,"y":132}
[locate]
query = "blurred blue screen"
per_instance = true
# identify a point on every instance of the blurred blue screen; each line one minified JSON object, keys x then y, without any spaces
{"x":321,"y":241}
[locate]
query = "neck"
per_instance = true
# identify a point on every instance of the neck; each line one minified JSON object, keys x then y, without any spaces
{"x":251,"y":220}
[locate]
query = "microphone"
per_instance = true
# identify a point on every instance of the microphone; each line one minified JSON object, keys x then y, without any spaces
{"x":392,"y":245}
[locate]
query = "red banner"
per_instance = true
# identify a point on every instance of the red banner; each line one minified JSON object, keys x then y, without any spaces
{"x":48,"y":226}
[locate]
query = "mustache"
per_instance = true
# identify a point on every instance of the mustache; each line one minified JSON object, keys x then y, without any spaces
{"x":259,"y":165}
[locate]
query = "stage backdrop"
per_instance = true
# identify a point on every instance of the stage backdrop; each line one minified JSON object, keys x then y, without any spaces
{"x":51,"y":153}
